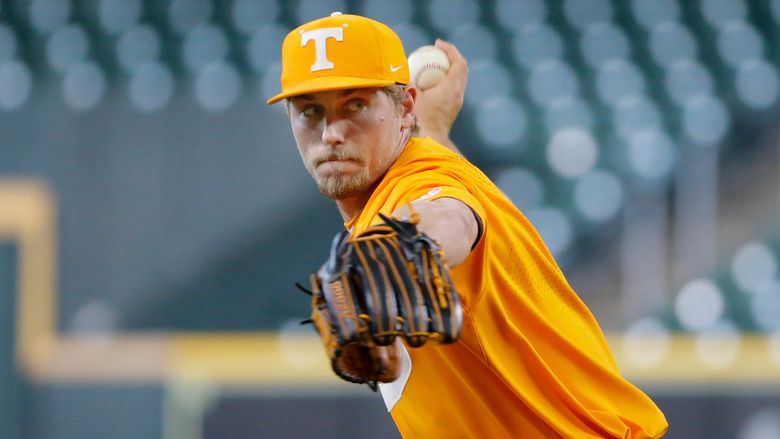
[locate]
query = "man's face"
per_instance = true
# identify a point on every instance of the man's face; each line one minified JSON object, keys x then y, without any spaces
{"x":347,"y":138}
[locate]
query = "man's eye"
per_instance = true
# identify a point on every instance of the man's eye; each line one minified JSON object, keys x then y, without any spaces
{"x":309,"y":111}
{"x":356,"y":105}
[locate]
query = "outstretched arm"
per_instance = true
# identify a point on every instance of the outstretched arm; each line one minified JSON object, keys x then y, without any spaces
{"x":438,"y":107}
{"x":448,"y":221}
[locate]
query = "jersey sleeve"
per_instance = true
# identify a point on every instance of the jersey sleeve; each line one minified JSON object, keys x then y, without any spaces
{"x":432,"y":185}
{"x":463,"y":196}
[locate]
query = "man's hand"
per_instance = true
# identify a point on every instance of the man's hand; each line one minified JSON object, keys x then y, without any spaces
{"x":438,"y":107}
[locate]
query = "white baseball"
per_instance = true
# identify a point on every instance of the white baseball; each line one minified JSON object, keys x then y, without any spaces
{"x":427,"y":65}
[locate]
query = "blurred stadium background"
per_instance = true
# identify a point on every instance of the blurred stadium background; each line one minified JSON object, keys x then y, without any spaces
{"x":154,"y":214}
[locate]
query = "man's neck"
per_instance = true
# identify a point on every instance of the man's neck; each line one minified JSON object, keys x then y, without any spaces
{"x":351,"y":207}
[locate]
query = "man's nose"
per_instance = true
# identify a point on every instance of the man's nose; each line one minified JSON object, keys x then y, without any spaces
{"x":334,"y":131}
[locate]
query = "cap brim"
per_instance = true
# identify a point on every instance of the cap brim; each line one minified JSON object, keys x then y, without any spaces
{"x":326,"y":83}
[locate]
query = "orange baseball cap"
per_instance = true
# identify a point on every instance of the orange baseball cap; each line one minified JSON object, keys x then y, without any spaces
{"x":339,"y":52}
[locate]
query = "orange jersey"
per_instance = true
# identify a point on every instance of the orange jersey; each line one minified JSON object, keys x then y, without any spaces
{"x":532,"y":361}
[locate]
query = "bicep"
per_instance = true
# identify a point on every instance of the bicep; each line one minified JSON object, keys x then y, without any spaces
{"x":465,"y":218}
{"x":449,"y":221}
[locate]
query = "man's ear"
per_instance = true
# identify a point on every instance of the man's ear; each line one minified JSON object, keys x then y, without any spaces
{"x":408,"y":106}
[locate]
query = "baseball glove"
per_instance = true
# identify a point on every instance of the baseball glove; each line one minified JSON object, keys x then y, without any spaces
{"x":388,"y":281}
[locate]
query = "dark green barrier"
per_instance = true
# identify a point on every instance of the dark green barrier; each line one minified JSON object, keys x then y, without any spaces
{"x":10,"y":382}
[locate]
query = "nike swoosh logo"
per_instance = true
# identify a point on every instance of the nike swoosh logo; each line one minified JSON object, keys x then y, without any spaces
{"x":394,"y":68}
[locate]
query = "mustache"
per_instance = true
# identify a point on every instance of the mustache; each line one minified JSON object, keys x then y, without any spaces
{"x":336,"y":156}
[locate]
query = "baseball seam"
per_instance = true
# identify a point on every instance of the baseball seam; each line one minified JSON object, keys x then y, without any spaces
{"x":426,"y":66}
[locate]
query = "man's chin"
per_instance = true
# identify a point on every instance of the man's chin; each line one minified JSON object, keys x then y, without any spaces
{"x":336,"y":196}
{"x":338,"y":189}
{"x":338,"y":193}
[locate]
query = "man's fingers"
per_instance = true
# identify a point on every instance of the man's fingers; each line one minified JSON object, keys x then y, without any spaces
{"x":457,"y":61}
{"x":459,"y":69}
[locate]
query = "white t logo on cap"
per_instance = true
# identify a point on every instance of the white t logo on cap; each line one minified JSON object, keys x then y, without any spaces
{"x":319,"y":36}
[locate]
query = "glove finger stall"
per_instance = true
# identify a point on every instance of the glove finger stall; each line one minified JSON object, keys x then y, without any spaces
{"x":341,"y":299}
{"x":412,"y":309}
{"x":378,"y":295}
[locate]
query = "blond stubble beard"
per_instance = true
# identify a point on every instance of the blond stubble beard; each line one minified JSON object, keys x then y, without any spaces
{"x":343,"y":186}
{"x":340,"y":186}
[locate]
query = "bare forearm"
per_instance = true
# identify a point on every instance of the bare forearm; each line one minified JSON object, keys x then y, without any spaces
{"x":438,"y":107}
{"x":440,"y":136}
{"x":449,"y":222}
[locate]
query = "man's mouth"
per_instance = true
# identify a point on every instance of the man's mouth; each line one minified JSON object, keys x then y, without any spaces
{"x":335,"y":159}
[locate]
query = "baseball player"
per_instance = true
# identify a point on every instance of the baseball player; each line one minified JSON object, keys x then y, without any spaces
{"x":528,"y":358}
